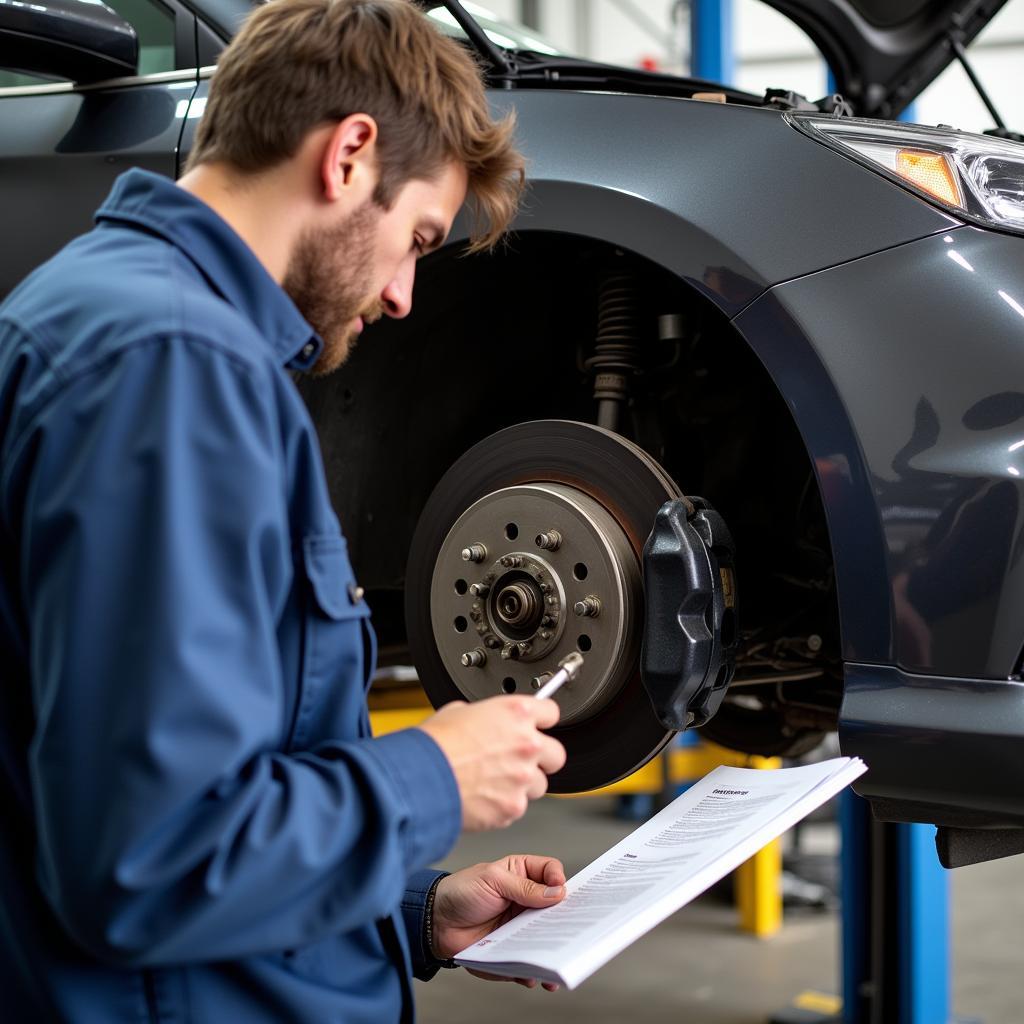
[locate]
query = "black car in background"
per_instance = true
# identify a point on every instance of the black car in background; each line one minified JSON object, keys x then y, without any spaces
{"x":808,"y":315}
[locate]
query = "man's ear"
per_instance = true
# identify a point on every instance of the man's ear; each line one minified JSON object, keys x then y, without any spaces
{"x":349,"y":165}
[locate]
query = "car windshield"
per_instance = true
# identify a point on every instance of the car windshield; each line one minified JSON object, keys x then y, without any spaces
{"x":502,"y":33}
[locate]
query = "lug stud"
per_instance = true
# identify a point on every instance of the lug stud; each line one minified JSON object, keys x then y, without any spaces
{"x":474,"y":658}
{"x":589,"y":607}
{"x":538,"y":681}
{"x":474,"y":553}
{"x":550,"y":541}
{"x":479,"y":589}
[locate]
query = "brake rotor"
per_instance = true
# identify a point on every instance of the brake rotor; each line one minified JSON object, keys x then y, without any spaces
{"x":528,"y":549}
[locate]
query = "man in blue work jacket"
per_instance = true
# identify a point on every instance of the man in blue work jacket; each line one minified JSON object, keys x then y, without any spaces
{"x":197,"y":824}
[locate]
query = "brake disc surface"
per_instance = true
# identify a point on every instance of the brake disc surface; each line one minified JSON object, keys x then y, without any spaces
{"x":530,"y":548}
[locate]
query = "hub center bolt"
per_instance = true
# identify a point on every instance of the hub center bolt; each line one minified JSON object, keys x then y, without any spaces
{"x":474,"y":553}
{"x":550,"y":541}
{"x":474,"y":658}
{"x":589,"y":607}
{"x":517,"y":604}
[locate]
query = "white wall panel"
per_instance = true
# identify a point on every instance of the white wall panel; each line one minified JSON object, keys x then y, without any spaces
{"x":806,"y":76}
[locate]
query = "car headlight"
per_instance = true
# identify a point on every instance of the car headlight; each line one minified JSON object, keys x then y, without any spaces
{"x":973,"y":176}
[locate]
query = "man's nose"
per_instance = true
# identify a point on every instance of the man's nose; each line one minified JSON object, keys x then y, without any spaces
{"x":397,"y":296}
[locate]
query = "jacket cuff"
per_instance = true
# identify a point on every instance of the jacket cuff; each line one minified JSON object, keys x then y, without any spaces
{"x":424,"y":964}
{"x":425,"y":787}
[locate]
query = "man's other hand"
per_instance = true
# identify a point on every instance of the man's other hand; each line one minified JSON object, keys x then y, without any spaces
{"x":471,"y":903}
{"x":500,"y":758}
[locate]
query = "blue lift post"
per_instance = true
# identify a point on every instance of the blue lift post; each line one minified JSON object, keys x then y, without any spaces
{"x":924,"y":914}
{"x":711,"y":44}
{"x":895,"y":924}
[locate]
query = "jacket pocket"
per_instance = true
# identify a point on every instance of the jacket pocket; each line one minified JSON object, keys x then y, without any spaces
{"x":336,"y":655}
{"x":331,"y":579}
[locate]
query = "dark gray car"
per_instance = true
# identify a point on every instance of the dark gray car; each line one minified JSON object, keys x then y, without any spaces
{"x":810,"y":319}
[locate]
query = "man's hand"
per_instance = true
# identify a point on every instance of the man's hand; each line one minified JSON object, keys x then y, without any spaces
{"x":471,"y":903}
{"x":500,"y":758}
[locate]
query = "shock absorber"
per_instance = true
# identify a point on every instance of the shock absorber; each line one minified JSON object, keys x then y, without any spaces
{"x":616,"y":355}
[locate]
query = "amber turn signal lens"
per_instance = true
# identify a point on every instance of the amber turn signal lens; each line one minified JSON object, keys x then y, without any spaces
{"x":930,"y":172}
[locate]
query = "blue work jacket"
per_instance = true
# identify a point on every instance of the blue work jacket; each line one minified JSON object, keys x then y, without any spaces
{"x":197,"y":824}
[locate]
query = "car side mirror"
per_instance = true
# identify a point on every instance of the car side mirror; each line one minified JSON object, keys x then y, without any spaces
{"x":83,"y":40}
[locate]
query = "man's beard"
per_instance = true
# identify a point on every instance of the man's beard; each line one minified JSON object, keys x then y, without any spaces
{"x":329,"y":278}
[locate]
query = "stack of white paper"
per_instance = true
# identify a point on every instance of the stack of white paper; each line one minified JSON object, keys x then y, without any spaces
{"x":700,"y":837}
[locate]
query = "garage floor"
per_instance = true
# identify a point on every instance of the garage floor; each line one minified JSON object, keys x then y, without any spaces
{"x":697,"y":967}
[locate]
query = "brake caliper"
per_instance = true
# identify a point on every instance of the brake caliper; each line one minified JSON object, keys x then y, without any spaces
{"x":690,"y":628}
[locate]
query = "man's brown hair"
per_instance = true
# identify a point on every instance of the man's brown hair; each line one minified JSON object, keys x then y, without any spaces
{"x":298,"y":64}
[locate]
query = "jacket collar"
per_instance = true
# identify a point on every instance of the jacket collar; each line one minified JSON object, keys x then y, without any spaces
{"x":156,"y":204}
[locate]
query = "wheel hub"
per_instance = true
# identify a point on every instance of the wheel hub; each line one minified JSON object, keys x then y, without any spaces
{"x":525,"y":576}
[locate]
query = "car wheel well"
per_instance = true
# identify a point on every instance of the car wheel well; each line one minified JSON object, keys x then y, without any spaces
{"x":496,"y":339}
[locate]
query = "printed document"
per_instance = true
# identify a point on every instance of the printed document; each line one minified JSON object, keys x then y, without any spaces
{"x":705,"y":833}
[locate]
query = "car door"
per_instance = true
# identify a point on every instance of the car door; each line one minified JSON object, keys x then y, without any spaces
{"x":62,"y":144}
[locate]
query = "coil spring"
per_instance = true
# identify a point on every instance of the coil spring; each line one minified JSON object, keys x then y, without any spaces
{"x":616,"y":354}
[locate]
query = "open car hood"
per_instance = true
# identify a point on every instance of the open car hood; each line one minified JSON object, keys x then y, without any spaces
{"x":883,"y":53}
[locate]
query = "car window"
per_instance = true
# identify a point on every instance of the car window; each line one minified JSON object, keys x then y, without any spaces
{"x":504,"y":33}
{"x":154,"y":24}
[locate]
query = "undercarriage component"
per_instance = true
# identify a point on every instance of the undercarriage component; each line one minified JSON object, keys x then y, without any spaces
{"x":690,"y":631}
{"x":768,"y":727}
{"x":481,"y":628}
{"x":616,"y":355}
